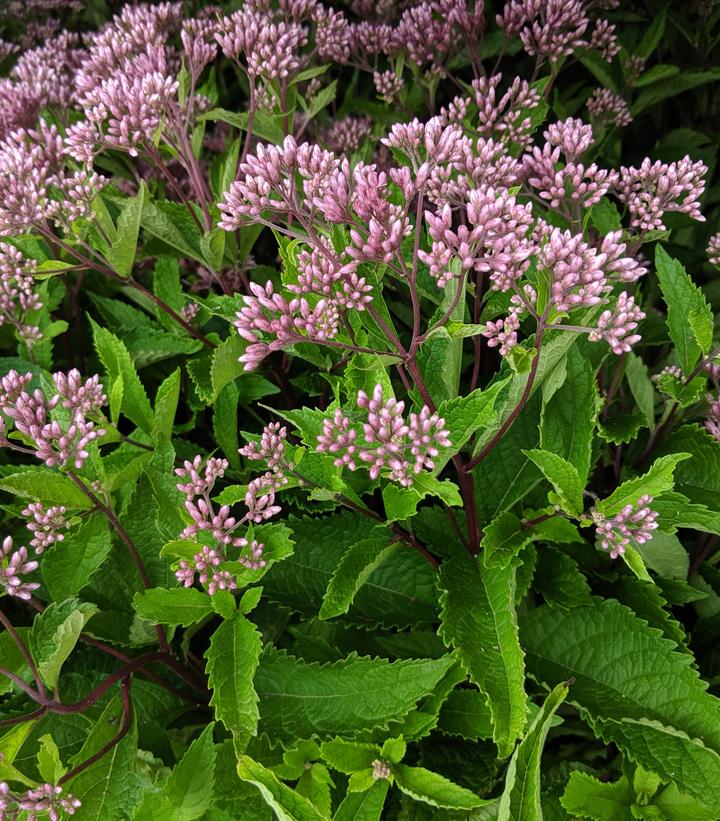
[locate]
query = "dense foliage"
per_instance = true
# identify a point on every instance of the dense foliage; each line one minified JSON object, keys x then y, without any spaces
{"x":359,"y":410}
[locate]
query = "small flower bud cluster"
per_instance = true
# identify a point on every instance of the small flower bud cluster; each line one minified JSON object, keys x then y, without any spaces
{"x":604,"y":40}
{"x":17,"y":297}
{"x":388,"y":443}
{"x":46,"y":798}
{"x":712,"y":422}
{"x":381,"y":770}
{"x":347,"y":135}
{"x":713,"y":249}
{"x":14,"y":564}
{"x":197,"y":485}
{"x":634,"y":523}
{"x":45,"y":524}
{"x":57,"y":444}
{"x":548,"y":28}
{"x":605,"y":105}
{"x":655,"y":188}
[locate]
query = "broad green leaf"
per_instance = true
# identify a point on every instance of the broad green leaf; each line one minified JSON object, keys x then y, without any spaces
{"x":665,"y":555}
{"x":363,"y":806}
{"x":653,"y":33}
{"x":349,"y":756}
{"x":568,"y":418}
{"x":44,"y":485}
{"x":688,"y":314}
{"x":11,"y":742}
{"x":12,"y":659}
{"x":680,"y":807}
{"x":299,"y":700}
{"x":171,"y":223}
{"x":109,"y":786}
{"x":166,"y":405}
{"x":55,"y":633}
{"x":116,"y":359}
{"x":187,"y":792}
{"x":121,"y":254}
{"x":563,"y":476}
{"x":315,"y":784}
{"x":466,"y":713}
{"x":225,"y":423}
{"x":354,"y":570}
{"x":587,"y":797}
{"x":684,"y":81}
{"x":478,"y":619}
{"x":434,"y":789}
{"x":225,"y":365}
{"x":71,"y":564}
{"x":401,"y":502}
{"x":503,"y":539}
{"x":699,"y":477}
{"x":465,"y":415}
{"x":675,"y":510}
{"x":656,"y":481}
{"x":641,"y":387}
{"x":50,"y":765}
{"x":180,"y":605}
{"x":521,"y":796}
{"x":559,"y":579}
{"x":285,"y":802}
{"x":232,"y":660}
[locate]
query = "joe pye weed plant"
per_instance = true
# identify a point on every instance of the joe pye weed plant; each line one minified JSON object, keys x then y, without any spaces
{"x":359,"y":411}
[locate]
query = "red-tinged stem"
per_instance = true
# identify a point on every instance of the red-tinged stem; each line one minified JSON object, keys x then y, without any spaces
{"x":121,"y":733}
{"x":26,"y":688}
{"x":7,"y":624}
{"x":10,"y":722}
{"x":507,"y":424}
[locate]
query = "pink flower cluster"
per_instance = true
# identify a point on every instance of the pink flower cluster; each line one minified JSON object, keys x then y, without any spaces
{"x":56,"y":442}
{"x":387,"y":442}
{"x":46,"y":798}
{"x":548,"y":28}
{"x":197,"y":485}
{"x":634,"y":523}
{"x":712,"y":422}
{"x":606,"y":105}
{"x":17,"y":294}
{"x":46,"y":525}
{"x":14,"y":564}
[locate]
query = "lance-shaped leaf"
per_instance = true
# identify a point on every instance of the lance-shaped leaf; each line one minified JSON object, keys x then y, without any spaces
{"x":179,"y":605}
{"x":563,"y":476}
{"x":363,"y":806}
{"x":434,"y":789}
{"x":656,"y":481}
{"x":521,"y":796}
{"x":588,"y":797}
{"x":55,"y":633}
{"x":478,"y":619}
{"x":284,"y":801}
{"x":121,"y":254}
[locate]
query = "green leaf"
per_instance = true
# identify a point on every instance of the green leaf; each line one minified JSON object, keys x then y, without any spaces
{"x":171,"y":223}
{"x":71,"y":564}
{"x":641,"y":387}
{"x":45,"y":485}
{"x":671,"y":88}
{"x":568,"y":418}
{"x":587,"y":797}
{"x":363,"y":806}
{"x":166,"y":405}
{"x":465,"y":415}
{"x":636,"y":688}
{"x":521,"y":796}
{"x":232,"y":660}
{"x":181,"y":605}
{"x":121,"y":254}
{"x":563,"y":477}
{"x":285,"y":802}
{"x":55,"y":633}
{"x":50,"y":765}
{"x":478,"y":619}
{"x":688,"y":314}
{"x":466,"y":713}
{"x":299,"y":700}
{"x":503,"y":539}
{"x":434,"y":789}
{"x":225,"y":365}
{"x":675,"y":510}
{"x":354,"y":570}
{"x":699,"y":477}
{"x":656,"y":481}
{"x":349,"y":756}
{"x":116,"y":359}
{"x":665,"y":555}
{"x":559,"y":580}
{"x":653,"y":33}
{"x":187,"y":792}
{"x":109,"y":786}
{"x":680,"y":807}
{"x":401,"y":502}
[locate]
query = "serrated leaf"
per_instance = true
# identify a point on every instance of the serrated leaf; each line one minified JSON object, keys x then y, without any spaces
{"x":559,"y":579}
{"x":71,"y":564}
{"x":521,"y":797}
{"x":187,"y":792}
{"x":465,"y":415}
{"x":363,"y":806}
{"x":299,"y":700}
{"x":503,"y":539}
{"x":55,"y":633}
{"x":182,"y":605}
{"x":349,"y":756}
{"x":166,"y":403}
{"x":478,"y":619}
{"x":116,"y":359}
{"x":657,"y":480}
{"x":232,"y":661}
{"x":641,"y":387}
{"x":354,"y":570}
{"x":434,"y":789}
{"x":285,"y":802}
{"x":587,"y":797}
{"x":171,"y":223}
{"x":44,"y":485}
{"x":466,"y":713}
{"x":50,"y":765}
{"x":563,"y":476}
{"x":687,"y":309}
{"x":121,"y":254}
{"x":225,"y":365}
